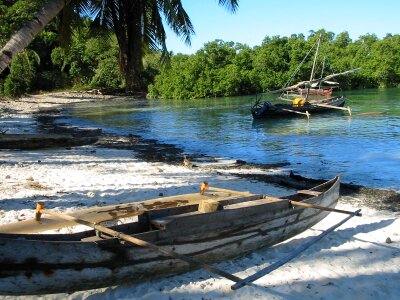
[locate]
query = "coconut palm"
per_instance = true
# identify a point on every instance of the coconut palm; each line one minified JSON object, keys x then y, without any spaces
{"x":138,"y":25}
{"x":23,"y":37}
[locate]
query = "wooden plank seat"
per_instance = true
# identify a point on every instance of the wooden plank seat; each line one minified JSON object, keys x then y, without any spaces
{"x":161,"y":223}
{"x":308,"y":192}
{"x":208,"y":206}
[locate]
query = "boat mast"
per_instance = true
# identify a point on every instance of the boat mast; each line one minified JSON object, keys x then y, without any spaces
{"x":314,"y":64}
{"x":315,"y":58}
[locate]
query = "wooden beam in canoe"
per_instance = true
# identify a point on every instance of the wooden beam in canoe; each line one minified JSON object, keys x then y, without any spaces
{"x":122,"y":236}
{"x":97,"y":215}
{"x":114,"y":212}
{"x":292,"y":255}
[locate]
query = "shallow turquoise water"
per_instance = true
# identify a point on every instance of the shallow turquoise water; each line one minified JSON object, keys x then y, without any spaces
{"x":364,"y":149}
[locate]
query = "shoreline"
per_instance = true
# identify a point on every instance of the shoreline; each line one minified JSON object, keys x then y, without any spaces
{"x":48,"y":108}
{"x":70,"y":178}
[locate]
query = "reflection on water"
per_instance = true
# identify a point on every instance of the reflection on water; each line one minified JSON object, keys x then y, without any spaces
{"x":364,"y":148}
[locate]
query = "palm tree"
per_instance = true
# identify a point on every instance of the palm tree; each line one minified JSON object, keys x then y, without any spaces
{"x":21,"y":39}
{"x":138,"y":25}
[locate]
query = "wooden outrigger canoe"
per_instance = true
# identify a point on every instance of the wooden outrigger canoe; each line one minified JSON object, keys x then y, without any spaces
{"x":305,"y":97}
{"x":269,"y":110}
{"x":32,"y":263}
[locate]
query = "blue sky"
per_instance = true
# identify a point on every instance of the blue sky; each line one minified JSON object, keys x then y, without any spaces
{"x":256,"y":19}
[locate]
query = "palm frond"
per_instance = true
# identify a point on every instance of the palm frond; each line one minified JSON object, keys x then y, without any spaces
{"x":231,"y":5}
{"x":177,"y":18}
{"x":153,"y":28}
{"x":71,"y":16}
{"x":104,"y":12}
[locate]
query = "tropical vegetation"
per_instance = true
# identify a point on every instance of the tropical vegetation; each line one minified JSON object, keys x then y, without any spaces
{"x":227,"y":69}
{"x":138,"y":26}
{"x":86,"y":46}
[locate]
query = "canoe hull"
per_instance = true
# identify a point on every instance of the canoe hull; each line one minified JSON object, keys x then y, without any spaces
{"x":37,"y":266}
{"x":278,"y":110}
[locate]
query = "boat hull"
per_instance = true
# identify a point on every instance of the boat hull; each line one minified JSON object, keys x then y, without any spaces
{"x":282,"y":110}
{"x":34,"y":264}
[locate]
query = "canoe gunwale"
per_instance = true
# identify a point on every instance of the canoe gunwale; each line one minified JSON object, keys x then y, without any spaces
{"x":138,"y":228}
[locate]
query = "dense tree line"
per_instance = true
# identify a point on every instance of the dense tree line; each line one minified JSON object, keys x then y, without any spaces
{"x":228,"y":69}
{"x":92,"y":59}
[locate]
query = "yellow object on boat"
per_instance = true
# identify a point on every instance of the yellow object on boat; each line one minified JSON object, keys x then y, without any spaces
{"x":298,"y":102}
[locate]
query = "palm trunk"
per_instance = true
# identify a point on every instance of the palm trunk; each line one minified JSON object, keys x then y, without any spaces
{"x":134,"y":64}
{"x":22,"y":38}
{"x":120,"y":33}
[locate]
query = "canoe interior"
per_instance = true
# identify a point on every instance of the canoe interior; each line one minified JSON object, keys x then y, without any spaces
{"x":157,"y":218}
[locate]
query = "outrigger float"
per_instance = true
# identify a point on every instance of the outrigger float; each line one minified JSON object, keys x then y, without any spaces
{"x":162,"y":237}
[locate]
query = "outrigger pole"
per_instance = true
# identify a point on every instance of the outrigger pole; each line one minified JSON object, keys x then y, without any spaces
{"x":295,"y":253}
{"x":297,"y":112}
{"x":347,"y":108}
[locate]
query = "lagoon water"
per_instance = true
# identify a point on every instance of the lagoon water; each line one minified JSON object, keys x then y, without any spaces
{"x":363,"y":149}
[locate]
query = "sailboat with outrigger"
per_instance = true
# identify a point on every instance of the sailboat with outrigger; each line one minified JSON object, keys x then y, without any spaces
{"x":305,"y":97}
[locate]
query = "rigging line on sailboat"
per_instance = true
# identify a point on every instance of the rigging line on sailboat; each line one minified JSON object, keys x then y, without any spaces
{"x":298,"y":67}
{"x":322,"y":71}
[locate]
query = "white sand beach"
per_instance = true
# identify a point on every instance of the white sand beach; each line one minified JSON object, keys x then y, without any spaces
{"x":359,"y":260}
